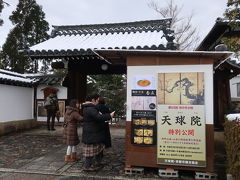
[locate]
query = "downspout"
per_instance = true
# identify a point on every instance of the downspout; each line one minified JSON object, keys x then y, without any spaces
{"x":35,"y":92}
{"x":35,"y":102}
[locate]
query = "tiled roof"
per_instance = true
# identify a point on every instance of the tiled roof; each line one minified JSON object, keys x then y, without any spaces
{"x":212,"y":42}
{"x":220,"y":29}
{"x":234,"y":62}
{"x":49,"y":79}
{"x":16,"y":79}
{"x":154,"y":34}
{"x":230,"y":65}
{"x":129,"y":27}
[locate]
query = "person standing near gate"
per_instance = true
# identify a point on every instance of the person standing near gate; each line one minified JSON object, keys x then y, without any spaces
{"x":101,"y":106}
{"x":93,"y":133}
{"x":51,"y":106}
{"x":70,"y":137}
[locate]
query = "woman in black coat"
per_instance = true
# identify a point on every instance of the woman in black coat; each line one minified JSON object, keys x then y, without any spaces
{"x":93,"y":132}
{"x":105,"y":110}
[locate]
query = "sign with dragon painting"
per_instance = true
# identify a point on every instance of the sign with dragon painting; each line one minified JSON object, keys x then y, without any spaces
{"x":181,"y":119}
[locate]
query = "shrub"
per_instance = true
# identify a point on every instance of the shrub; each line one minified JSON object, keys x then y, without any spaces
{"x":232,"y":140}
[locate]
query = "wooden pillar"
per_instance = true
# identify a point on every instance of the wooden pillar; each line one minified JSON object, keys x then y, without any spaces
{"x":222,"y":97}
{"x":80,"y":86}
{"x":215,"y":100}
{"x":77,"y":84}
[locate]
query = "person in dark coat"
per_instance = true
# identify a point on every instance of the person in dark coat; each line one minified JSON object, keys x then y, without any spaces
{"x":101,"y":106}
{"x":70,"y":137}
{"x":93,"y":132}
{"x":51,"y":105}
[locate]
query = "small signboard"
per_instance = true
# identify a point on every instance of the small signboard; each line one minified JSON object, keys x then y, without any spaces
{"x":143,"y":98}
{"x":144,"y":127}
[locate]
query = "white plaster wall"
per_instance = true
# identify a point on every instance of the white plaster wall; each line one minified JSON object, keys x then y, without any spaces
{"x":16,"y":103}
{"x":233,"y":86}
{"x":62,"y":91}
{"x":154,"y":70}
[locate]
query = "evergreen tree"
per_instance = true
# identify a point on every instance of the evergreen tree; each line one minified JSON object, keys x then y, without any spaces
{"x":112,"y":88}
{"x":1,"y":57}
{"x":1,"y":8}
{"x":2,"y":3}
{"x":232,"y":13}
{"x":30,"y":28}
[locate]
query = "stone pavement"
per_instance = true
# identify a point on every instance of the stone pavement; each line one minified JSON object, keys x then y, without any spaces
{"x":38,"y":154}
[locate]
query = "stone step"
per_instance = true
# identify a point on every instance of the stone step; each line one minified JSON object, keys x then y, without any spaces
{"x":134,"y":171}
{"x":167,"y":173}
{"x":202,"y":175}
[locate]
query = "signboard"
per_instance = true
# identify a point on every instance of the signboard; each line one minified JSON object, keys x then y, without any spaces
{"x":143,"y":106}
{"x":181,"y":119}
{"x":144,"y":127}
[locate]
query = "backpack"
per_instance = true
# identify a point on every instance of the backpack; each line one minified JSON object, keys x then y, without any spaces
{"x":48,"y":102}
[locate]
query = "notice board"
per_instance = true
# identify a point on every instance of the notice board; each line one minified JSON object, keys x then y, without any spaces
{"x":181,"y":119}
{"x":168,"y":111}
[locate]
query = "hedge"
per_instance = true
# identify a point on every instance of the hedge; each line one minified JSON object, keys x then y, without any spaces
{"x":232,"y":141}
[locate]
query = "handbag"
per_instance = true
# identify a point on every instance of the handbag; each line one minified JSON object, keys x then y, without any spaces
{"x":58,"y":116}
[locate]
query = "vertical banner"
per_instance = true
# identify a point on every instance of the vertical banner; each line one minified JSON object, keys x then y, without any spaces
{"x":181,"y":138}
{"x":143,"y":107}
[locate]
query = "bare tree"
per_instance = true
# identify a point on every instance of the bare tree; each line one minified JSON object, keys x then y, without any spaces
{"x":186,"y":36}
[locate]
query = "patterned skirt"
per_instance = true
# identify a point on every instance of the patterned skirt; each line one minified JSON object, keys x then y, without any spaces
{"x":90,"y":150}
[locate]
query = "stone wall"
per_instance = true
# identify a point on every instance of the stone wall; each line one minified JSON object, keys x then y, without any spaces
{"x":15,"y":126}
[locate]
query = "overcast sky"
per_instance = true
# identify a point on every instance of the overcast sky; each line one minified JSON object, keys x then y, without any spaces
{"x":76,"y":12}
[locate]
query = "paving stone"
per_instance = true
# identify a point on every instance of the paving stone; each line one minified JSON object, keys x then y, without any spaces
{"x":39,"y":159}
{"x":57,"y":164}
{"x":42,"y":163}
{"x":35,"y":167}
{"x":50,"y":169}
{"x":25,"y":176}
{"x":42,"y":152}
{"x":19,"y":149}
{"x":64,"y":169}
{"x":2,"y":174}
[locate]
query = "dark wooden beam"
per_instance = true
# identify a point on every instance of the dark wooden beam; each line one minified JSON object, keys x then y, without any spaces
{"x":222,"y":96}
{"x":77,"y":84}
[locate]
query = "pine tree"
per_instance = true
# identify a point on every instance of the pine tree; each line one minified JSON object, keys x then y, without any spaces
{"x":2,"y":3}
{"x":30,"y":28}
{"x":1,"y":8}
{"x":232,"y":13}
{"x":112,"y":88}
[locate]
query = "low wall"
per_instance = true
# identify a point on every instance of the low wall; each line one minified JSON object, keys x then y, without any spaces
{"x":14,"y":126}
{"x":16,"y":112}
{"x":16,"y":103}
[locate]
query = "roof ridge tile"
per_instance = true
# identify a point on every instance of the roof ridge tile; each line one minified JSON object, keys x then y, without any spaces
{"x":112,"y":27}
